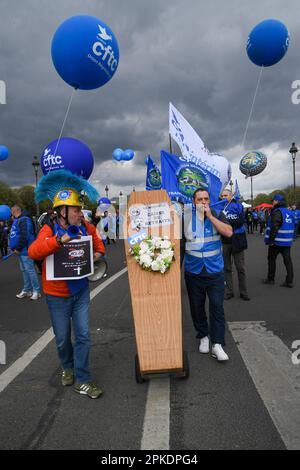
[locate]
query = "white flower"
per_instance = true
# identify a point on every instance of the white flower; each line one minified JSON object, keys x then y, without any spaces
{"x":145,"y":260}
{"x":155,"y":254}
{"x":144,"y":247}
{"x":156,"y":265}
{"x":165,"y":244}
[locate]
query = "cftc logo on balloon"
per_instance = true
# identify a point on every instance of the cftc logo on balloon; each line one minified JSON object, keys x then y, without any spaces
{"x":70,"y":154}
{"x":85,"y":52}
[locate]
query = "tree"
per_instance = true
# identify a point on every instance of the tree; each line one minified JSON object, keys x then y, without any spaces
{"x":260,"y":198}
{"x":8,"y":196}
{"x":26,"y":194}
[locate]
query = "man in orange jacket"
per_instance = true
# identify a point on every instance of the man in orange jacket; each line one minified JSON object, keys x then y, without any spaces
{"x":68,"y":299}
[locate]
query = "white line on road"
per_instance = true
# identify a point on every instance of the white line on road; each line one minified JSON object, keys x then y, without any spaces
{"x":156,"y":428}
{"x":20,"y":364}
{"x":269,"y":363}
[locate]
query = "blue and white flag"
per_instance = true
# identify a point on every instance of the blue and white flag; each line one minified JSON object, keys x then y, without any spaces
{"x":193,"y":148}
{"x":219,"y":206}
{"x":237,"y":194}
{"x":153,"y":178}
{"x":181,"y":179}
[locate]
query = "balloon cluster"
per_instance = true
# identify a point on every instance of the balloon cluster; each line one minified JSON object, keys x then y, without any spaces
{"x":125,"y":155}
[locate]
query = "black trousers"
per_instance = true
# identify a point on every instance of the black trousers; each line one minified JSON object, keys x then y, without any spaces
{"x":285,"y":251}
{"x":198,"y":287}
{"x":239,"y":261}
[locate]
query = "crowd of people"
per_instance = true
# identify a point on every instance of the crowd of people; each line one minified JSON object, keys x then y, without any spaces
{"x":209,"y":254}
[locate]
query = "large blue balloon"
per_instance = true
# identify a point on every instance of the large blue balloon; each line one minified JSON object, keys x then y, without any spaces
{"x":3,"y":153}
{"x":71,"y":154}
{"x":5,"y":212}
{"x":128,"y":155}
{"x":267,"y":43}
{"x":118,"y":154}
{"x":85,"y":52}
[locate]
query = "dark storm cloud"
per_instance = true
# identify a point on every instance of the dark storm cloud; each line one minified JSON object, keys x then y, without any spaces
{"x":191,"y":53}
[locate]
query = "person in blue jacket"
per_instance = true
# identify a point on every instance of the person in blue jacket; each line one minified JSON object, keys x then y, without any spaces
{"x":296,"y":214}
{"x":279,"y":237}
{"x":204,"y":271}
{"x":22,"y":234}
{"x":235,"y":246}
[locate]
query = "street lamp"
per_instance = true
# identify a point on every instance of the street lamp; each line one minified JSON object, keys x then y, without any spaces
{"x":133,"y":189}
{"x":106,"y":189}
{"x":120,"y":194}
{"x":293,"y":151}
{"x":36,"y":164}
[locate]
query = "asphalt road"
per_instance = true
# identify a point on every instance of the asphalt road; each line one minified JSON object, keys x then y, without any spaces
{"x":218,"y":407}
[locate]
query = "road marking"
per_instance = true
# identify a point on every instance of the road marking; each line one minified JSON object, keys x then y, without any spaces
{"x":105,"y":284}
{"x":20,"y":364}
{"x":156,"y":428}
{"x":269,"y":363}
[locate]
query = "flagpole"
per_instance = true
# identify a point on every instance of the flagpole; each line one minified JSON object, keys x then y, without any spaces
{"x":170,"y":143}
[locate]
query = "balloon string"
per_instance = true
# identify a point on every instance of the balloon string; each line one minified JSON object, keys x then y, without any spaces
{"x":252,"y":106}
{"x":62,"y":127}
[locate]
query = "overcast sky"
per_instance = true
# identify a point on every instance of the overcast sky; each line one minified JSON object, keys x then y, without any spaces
{"x":189,"y":52}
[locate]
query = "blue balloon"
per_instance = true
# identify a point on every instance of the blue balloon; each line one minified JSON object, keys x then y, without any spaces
{"x":118,"y":154}
{"x":128,"y":155}
{"x":146,"y":160}
{"x":5,"y":212}
{"x":104,"y":203}
{"x":267,"y":43}
{"x":3,"y":153}
{"x":71,"y":154}
{"x":85,"y":52}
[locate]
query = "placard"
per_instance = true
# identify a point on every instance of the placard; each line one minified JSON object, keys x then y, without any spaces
{"x":152,"y":215}
{"x":74,"y":260}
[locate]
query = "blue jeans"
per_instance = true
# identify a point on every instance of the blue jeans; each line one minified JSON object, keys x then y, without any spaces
{"x":31,"y":283}
{"x":198,"y":285}
{"x":62,"y":310}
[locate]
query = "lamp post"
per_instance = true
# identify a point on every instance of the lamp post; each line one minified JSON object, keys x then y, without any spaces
{"x":106,"y":189}
{"x":36,"y":164}
{"x":293,"y":151}
{"x":133,"y":189}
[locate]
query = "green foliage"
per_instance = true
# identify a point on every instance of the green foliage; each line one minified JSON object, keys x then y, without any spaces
{"x":287,"y":192}
{"x":8,"y":196}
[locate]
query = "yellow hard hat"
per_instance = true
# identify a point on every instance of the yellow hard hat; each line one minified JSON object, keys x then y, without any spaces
{"x":67,"y":197}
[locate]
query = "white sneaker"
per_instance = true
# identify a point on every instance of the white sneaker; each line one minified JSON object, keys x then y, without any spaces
{"x":219,"y":353}
{"x":204,"y":345}
{"x":35,"y":296}
{"x":23,"y":294}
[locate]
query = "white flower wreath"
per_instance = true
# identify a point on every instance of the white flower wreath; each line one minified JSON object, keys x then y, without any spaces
{"x":154,"y":254}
